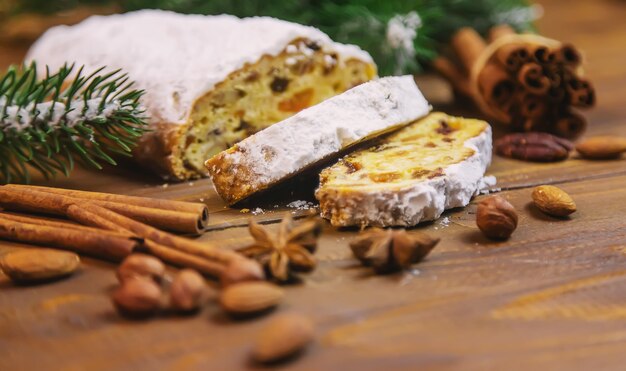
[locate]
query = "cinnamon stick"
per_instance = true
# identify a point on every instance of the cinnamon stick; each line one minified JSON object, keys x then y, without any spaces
{"x":101,"y":245}
{"x":568,"y":55}
{"x":53,"y":223}
{"x":556,"y":94}
{"x":33,"y":199}
{"x":570,"y":125}
{"x":451,"y":73}
{"x":496,"y":85}
{"x":467,"y":45}
{"x":154,"y":203}
{"x":532,"y":106}
{"x":83,"y":215}
{"x":580,"y":92}
{"x":543,"y":55}
{"x":499,"y":31}
{"x":533,"y":79}
{"x":513,"y":56}
{"x":183,"y":259}
{"x":150,"y":233}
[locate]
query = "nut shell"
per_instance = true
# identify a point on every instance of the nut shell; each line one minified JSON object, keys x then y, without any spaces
{"x":250,"y":297}
{"x":36,"y":265}
{"x":283,"y":336}
{"x":553,"y":201}
{"x":137,"y":297}
{"x":187,"y":291}
{"x":496,"y":218}
{"x":140,"y":265}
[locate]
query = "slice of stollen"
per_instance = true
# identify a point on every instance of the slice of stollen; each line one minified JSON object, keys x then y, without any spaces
{"x":314,"y":135}
{"x":410,"y":176}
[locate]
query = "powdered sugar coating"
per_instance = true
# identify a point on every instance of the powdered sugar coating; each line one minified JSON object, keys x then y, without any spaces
{"x":407,"y":206}
{"x":175,"y":58}
{"x":317,"y":133}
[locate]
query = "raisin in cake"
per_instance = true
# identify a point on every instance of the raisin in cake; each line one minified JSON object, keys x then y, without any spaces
{"x":210,"y":81}
{"x":410,"y":176}
{"x":314,"y":135}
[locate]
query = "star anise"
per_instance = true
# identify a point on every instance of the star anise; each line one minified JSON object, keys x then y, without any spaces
{"x":290,"y":250}
{"x":388,"y":250}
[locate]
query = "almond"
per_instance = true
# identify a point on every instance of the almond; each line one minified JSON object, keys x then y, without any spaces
{"x":34,"y":265}
{"x":553,"y":201}
{"x":250,"y":297}
{"x":602,"y":147}
{"x":283,"y":336}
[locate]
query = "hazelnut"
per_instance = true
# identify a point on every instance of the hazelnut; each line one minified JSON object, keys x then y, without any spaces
{"x":188,"y":291}
{"x":137,"y":297}
{"x":496,"y":218}
{"x":140,"y":265}
{"x":240,"y":270}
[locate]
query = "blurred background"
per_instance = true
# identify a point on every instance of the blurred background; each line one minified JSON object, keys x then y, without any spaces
{"x":428,"y":22}
{"x":596,"y":27}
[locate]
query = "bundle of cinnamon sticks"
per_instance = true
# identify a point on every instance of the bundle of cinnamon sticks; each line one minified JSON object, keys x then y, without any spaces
{"x":112,"y":227}
{"x":526,"y":81}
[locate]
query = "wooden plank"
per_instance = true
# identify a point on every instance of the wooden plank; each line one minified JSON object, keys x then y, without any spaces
{"x":554,"y":282}
{"x":549,"y":298}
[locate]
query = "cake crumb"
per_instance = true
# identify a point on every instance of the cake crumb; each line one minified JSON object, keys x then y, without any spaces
{"x":258,"y":211}
{"x":165,"y":185}
{"x":244,"y":211}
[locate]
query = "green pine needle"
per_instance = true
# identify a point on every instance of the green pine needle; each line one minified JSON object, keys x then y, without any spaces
{"x":49,"y":123}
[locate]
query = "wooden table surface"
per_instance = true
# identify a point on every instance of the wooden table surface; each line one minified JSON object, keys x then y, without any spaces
{"x":551,"y":297}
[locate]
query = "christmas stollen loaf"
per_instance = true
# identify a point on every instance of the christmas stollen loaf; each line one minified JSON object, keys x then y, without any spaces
{"x":314,"y":135}
{"x":410,"y":176}
{"x":209,"y":81}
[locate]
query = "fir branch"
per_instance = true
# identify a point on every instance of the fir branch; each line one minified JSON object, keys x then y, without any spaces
{"x":49,"y":123}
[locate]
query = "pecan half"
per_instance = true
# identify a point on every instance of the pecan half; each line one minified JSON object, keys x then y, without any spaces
{"x":534,"y":146}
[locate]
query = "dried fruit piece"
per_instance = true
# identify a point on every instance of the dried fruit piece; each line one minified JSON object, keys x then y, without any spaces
{"x":35,"y":265}
{"x":553,"y":201}
{"x":250,"y":297}
{"x":141,"y":265}
{"x":602,"y":147}
{"x":388,"y":250}
{"x":284,"y":335}
{"x":297,"y":102}
{"x":533,"y":146}
{"x":496,"y":217}
{"x":188,"y":291}
{"x":137,"y":297}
